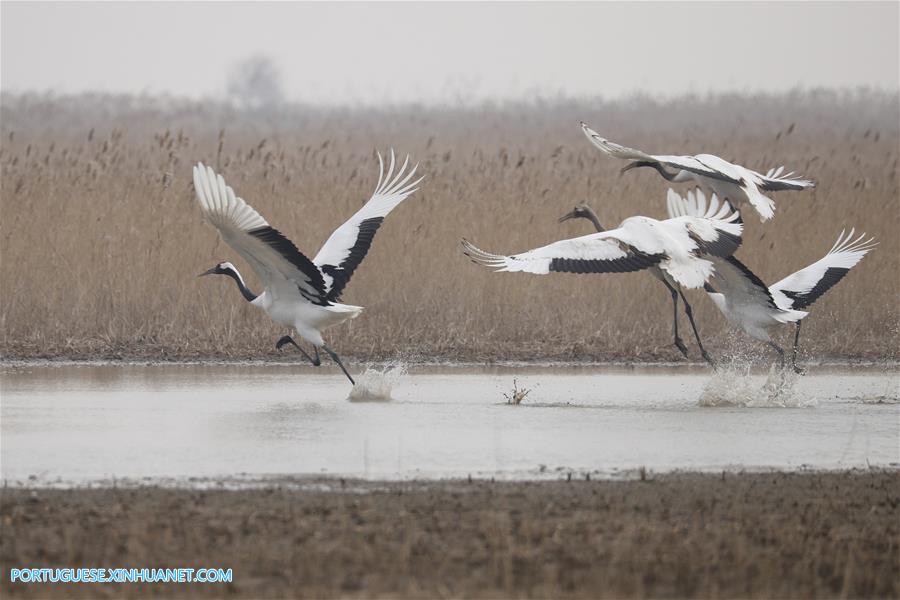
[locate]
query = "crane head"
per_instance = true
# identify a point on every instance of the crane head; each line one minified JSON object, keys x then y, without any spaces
{"x":582,"y":211}
{"x":223,"y":268}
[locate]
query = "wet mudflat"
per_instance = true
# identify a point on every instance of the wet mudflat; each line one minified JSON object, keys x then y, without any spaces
{"x":202,"y":424}
{"x":285,"y":476}
{"x":775,"y":535}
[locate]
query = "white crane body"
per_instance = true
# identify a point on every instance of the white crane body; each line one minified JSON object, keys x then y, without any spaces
{"x":722,"y":213}
{"x":756,"y":308}
{"x":678,"y":246}
{"x":298,"y":292}
{"x":713,"y":174}
{"x":746,"y":303}
{"x":292,"y":310}
{"x":679,"y":249}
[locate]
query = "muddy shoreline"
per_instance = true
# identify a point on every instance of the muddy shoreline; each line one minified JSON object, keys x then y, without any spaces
{"x":683,"y":534}
{"x":14,"y":361}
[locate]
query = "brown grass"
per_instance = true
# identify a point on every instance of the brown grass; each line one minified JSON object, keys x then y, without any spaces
{"x":101,"y":239}
{"x":676,"y":536}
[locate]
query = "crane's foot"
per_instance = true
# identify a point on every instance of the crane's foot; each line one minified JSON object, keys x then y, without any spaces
{"x":799,"y":371}
{"x":681,"y":347}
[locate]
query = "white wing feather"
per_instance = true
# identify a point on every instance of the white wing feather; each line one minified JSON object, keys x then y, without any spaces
{"x":347,"y":246}
{"x":676,"y":245}
{"x":694,"y":204}
{"x":596,"y":248}
{"x":733,"y":182}
{"x":274,"y":259}
{"x":800,"y":289}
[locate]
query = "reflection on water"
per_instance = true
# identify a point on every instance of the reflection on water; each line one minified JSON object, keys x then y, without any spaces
{"x":85,"y":423}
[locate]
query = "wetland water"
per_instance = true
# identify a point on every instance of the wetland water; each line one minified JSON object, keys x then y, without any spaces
{"x":189,"y":424}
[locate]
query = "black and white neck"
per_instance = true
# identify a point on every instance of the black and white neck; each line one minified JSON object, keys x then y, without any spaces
{"x":592,"y":217}
{"x":653,"y":165}
{"x":232,"y":272}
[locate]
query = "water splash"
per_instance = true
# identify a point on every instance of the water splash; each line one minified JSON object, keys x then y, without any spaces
{"x":376,"y":383}
{"x":733,"y":385}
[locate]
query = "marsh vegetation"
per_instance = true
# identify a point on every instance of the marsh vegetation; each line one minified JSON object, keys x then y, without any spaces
{"x":101,"y":239}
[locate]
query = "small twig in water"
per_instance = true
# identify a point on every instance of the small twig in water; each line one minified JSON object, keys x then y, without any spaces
{"x":518,"y":394}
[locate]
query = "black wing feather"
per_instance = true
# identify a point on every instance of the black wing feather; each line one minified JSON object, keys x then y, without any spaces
{"x":802,"y":300}
{"x":752,"y":277}
{"x":341,"y":273}
{"x":635,"y":261}
{"x":286,"y":248}
{"x":723,"y":246}
{"x":711,"y":173}
{"x":770,"y":185}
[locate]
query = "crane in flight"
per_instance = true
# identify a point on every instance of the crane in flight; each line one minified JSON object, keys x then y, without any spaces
{"x":681,"y":247}
{"x":721,"y":212}
{"x":756,"y":308}
{"x":298,"y":292}
{"x":728,"y":181}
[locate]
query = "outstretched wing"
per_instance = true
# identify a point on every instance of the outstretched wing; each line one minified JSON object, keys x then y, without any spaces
{"x":776,"y":180}
{"x":685,"y":163}
{"x":271,"y":255}
{"x":705,"y":165}
{"x":349,"y":244}
{"x":692,"y":243}
{"x":747,"y":180}
{"x":799,"y":290}
{"x":732,"y":278}
{"x":612,"y":148}
{"x":676,"y":245}
{"x":594,"y":253}
{"x":694,"y":204}
{"x":705,"y":236}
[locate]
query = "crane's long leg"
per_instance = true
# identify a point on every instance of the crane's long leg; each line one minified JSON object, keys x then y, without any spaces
{"x":690,"y":316}
{"x":338,"y":361}
{"x":797,"y":369}
{"x":289,"y":340}
{"x":779,"y":351}
{"x":679,"y":343}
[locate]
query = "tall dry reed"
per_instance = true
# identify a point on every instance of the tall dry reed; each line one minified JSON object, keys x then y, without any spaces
{"x":101,"y":239}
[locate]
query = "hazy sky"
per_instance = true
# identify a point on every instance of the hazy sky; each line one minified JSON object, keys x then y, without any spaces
{"x":433,"y":52}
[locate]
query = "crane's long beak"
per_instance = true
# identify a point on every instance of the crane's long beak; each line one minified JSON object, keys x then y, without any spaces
{"x":629,"y":166}
{"x":567,"y":216}
{"x":209,"y":272}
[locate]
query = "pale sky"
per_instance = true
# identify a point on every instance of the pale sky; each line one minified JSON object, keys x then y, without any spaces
{"x":373,"y":53}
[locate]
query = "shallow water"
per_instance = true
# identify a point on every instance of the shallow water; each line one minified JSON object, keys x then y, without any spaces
{"x":87,"y":423}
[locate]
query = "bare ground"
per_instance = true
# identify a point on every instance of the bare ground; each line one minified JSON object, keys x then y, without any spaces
{"x":680,"y":535}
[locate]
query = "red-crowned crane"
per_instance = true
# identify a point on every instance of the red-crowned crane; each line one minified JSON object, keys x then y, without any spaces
{"x":728,"y":181}
{"x":299,"y":292}
{"x":723,"y":213}
{"x":756,"y":308}
{"x":680,"y":247}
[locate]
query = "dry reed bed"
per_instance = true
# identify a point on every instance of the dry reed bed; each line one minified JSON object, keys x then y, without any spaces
{"x":101,"y":238}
